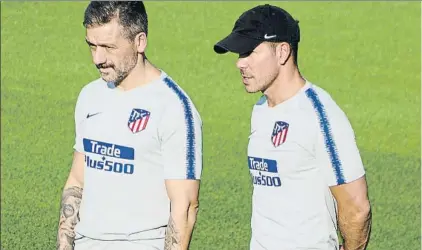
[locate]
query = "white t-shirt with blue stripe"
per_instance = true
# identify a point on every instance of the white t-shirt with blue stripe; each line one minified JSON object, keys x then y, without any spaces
{"x":296,"y":151}
{"x":133,"y":141}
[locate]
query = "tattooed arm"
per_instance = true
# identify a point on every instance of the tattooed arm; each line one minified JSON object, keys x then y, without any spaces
{"x":69,"y":205}
{"x":183,"y":196}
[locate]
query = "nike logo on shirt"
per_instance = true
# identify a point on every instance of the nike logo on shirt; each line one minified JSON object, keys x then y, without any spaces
{"x":91,"y":115}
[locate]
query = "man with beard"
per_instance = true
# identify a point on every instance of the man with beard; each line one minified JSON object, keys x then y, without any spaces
{"x":303,"y":159}
{"x":134,"y":179}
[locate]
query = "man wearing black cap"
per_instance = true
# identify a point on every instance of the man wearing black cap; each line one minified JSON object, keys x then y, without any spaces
{"x":307,"y":173}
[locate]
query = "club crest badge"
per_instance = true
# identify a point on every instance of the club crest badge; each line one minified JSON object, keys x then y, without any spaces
{"x":138,"y":120}
{"x":279,"y":134}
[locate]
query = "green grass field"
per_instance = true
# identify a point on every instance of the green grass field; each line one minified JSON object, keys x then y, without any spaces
{"x":366,"y":54}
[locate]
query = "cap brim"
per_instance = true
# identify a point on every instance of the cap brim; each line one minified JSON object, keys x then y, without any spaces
{"x":236,"y":43}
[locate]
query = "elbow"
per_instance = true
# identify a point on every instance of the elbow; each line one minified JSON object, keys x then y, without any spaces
{"x":364,"y":211}
{"x":361,"y":212}
{"x":192,"y":212}
{"x":187,"y":207}
{"x":193,"y":209}
{"x":186,"y":211}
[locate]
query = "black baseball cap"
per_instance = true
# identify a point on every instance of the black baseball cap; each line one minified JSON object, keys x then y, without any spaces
{"x":263,"y":23}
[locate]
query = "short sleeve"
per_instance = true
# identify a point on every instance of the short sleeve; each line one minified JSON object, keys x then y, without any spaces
{"x":336,"y":149}
{"x":180,"y":133}
{"x":79,"y":118}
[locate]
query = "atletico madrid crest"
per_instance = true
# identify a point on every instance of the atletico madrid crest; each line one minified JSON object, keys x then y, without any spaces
{"x":138,"y":120}
{"x":279,"y":134}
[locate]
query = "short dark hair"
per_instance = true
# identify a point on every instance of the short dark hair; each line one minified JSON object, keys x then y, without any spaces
{"x":131,"y":15}
{"x":294,"y":47}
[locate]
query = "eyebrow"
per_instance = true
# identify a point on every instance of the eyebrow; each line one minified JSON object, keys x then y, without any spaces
{"x":101,"y":44}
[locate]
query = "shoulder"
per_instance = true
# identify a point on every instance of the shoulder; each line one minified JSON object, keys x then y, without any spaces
{"x":84,"y":98}
{"x":323,"y":104}
{"x":92,"y":88}
{"x":175,"y":95}
{"x":88,"y":92}
{"x":331,"y":119}
{"x":176,"y":101}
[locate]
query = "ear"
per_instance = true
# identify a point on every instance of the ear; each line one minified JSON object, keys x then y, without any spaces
{"x":283,"y":52}
{"x":141,"y":42}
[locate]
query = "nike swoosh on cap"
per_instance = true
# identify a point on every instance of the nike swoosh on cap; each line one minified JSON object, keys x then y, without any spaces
{"x":266,"y":36}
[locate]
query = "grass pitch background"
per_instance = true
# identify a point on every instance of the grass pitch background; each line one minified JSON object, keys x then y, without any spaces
{"x":366,"y":54}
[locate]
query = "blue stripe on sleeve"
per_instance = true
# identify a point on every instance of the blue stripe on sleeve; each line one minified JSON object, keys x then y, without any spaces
{"x":190,"y":135}
{"x":328,"y":137}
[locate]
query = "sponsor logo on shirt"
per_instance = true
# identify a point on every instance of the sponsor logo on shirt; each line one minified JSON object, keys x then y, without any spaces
{"x":114,"y":157}
{"x":264,"y":172}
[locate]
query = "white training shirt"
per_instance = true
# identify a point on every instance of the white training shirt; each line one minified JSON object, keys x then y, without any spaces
{"x":296,"y":151}
{"x":133,"y":141}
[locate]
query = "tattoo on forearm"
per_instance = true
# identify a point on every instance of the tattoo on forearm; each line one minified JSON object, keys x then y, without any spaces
{"x":69,"y":217}
{"x":172,"y":240}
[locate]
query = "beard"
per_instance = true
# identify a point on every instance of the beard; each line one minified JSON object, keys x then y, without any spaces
{"x":116,"y":74}
{"x":261,"y":84}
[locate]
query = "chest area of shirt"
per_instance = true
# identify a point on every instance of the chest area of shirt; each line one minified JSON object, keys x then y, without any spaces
{"x":124,"y":130}
{"x":283,"y":133}
{"x":281,"y":146}
{"x":117,"y":136}
{"x":121,"y":119}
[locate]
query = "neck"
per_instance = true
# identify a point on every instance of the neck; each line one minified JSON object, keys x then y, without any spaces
{"x":142,"y":74}
{"x":285,"y":86}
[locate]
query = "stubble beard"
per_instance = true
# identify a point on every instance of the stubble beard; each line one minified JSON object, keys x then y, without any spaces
{"x":122,"y":73}
{"x":267,"y":82}
{"x":263,"y":84}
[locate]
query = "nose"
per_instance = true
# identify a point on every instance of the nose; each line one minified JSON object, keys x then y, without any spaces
{"x":98,"y":56}
{"x":241,"y":63}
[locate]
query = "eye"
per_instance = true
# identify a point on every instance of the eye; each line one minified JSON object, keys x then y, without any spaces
{"x":109,"y":48}
{"x":92,"y":47}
